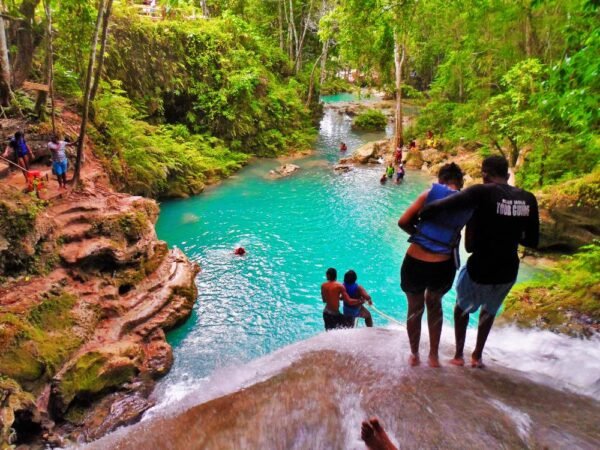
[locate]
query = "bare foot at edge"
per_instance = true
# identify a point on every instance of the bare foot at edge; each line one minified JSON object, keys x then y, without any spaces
{"x":375,"y":436}
{"x":457,"y":362}
{"x":477,"y":363}
{"x":434,"y":362}
{"x":414,"y":360}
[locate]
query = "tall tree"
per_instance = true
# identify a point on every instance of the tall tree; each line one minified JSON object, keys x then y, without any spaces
{"x":86,"y":96}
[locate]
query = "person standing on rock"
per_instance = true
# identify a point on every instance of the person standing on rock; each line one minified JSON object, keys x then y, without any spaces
{"x":504,"y":217}
{"x":359,"y":294}
{"x":431,"y":260}
{"x":60,"y":163}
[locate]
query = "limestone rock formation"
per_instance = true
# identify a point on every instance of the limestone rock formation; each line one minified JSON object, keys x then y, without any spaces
{"x":284,"y":171}
{"x":450,"y":408}
{"x":369,"y":151}
{"x":89,"y":295}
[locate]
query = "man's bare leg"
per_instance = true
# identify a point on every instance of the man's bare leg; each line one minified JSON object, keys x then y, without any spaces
{"x":461,"y":321}
{"x":416,"y":304}
{"x":486,"y":320}
{"x":375,"y":436}
{"x":433,"y":300}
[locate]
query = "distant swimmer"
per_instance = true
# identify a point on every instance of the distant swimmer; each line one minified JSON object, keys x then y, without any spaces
{"x":383,"y":179}
{"x":240,"y":251}
{"x":374,"y":435}
{"x":331,"y":293}
{"x":358,"y":293}
{"x":343,"y":147}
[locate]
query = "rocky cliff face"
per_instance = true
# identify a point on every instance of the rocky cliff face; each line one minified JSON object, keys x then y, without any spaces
{"x":87,"y":295}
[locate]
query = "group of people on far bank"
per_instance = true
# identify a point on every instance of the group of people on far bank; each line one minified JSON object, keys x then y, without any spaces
{"x":498,"y":218}
{"x":18,"y":153}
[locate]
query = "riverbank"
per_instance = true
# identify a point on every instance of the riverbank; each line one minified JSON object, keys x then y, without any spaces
{"x":87,"y":294}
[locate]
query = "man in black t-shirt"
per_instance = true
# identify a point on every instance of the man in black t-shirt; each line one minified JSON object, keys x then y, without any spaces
{"x":504,"y":217}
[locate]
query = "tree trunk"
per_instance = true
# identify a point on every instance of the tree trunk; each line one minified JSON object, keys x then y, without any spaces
{"x":514,"y":152}
{"x":300,"y":43}
{"x":323,"y":75}
{"x":4,"y":67}
{"x":104,"y":39}
{"x":50,"y":64}
{"x":399,"y":55}
{"x":311,"y":80}
{"x":86,"y":97}
{"x":26,"y":42}
{"x":281,"y":41}
{"x":204,"y":7}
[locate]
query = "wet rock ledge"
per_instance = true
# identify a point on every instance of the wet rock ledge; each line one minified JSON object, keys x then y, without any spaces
{"x":84,"y":314}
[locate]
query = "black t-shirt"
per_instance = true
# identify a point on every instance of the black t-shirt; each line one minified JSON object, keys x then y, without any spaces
{"x":504,"y":217}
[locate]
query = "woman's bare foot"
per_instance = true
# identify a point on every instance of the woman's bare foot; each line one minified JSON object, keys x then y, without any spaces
{"x":458,"y":361}
{"x":414,"y":360}
{"x":375,"y":436}
{"x":477,"y":363}
{"x":434,"y":361}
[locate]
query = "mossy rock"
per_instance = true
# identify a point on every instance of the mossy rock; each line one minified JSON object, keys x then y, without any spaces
{"x":95,"y":373}
{"x":130,"y":226}
{"x":37,"y":342}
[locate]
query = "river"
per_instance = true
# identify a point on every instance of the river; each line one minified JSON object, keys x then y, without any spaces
{"x":293,"y":230}
{"x":233,"y":385}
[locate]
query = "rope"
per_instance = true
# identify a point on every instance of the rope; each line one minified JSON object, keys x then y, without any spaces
{"x":14,"y":164}
{"x":381,"y":313}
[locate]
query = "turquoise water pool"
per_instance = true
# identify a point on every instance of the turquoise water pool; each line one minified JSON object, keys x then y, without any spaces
{"x":293,"y":230}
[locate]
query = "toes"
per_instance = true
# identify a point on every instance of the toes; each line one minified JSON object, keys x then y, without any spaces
{"x":375,"y":424}
{"x":366,"y":431}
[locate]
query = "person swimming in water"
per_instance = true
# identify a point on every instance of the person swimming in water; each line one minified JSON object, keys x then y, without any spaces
{"x":331,"y":292}
{"x":343,"y":147}
{"x":356,"y":292}
{"x":431,"y":260}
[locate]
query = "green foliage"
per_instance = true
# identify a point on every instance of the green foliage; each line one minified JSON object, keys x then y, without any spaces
{"x":217,"y":77}
{"x":335,"y":85}
{"x":566,"y":301}
{"x":156,"y":161}
{"x":370,"y":120}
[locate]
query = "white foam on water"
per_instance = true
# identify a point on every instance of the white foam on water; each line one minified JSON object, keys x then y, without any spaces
{"x":556,"y":360}
{"x":563,"y":362}
{"x":521,"y":420}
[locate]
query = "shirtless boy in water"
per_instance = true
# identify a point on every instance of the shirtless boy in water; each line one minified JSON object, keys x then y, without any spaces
{"x":331,"y":292}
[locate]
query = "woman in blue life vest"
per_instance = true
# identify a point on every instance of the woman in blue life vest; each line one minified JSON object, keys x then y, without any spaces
{"x":22,"y":153}
{"x":431,"y":261}
{"x":356,"y":292}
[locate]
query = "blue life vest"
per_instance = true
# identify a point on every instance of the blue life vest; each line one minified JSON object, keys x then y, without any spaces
{"x":352,"y":290}
{"x":442,"y":233}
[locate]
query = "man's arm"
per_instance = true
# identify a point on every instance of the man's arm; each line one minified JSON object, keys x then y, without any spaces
{"x":323,"y":294}
{"x":351,"y":301}
{"x":469,"y":198}
{"x":531,"y":237}
{"x":408,"y":221}
{"x":364,"y":295}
